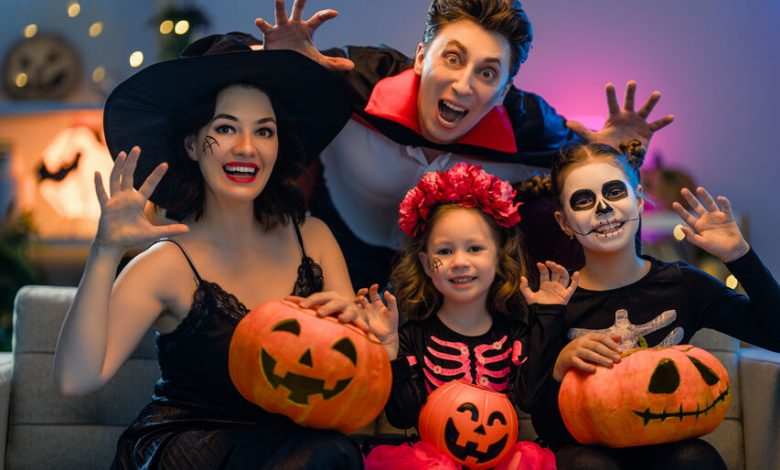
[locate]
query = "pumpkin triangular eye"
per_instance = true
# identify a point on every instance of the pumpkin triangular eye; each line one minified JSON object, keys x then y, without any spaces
{"x":345,"y":347}
{"x":709,"y":376}
{"x":665,"y":379}
{"x":290,"y":326}
{"x":471,"y":409}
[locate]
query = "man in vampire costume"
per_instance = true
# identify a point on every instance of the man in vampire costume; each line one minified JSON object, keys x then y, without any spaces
{"x":454,"y":101}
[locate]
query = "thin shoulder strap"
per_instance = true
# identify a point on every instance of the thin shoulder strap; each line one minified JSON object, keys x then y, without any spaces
{"x":300,"y":239}
{"x":186,"y":256}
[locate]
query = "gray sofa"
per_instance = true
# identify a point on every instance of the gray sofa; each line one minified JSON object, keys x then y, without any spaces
{"x":43,"y":429}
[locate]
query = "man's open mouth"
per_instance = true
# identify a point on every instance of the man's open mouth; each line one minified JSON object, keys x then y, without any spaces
{"x":450,"y":112}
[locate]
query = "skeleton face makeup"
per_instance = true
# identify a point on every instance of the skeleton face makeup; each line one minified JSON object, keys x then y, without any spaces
{"x":600,"y":207}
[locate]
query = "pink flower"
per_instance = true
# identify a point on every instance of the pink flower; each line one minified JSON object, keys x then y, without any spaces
{"x":464,"y":184}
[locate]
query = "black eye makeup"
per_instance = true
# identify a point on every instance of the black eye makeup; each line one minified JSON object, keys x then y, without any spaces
{"x":614,"y":190}
{"x":582,"y":200}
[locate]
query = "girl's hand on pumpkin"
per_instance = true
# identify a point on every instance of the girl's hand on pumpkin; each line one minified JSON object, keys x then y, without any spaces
{"x":382,"y":319}
{"x":554,"y":285}
{"x":585,"y":352}
{"x":711,"y":227}
{"x":332,"y":303}
{"x":122,"y":221}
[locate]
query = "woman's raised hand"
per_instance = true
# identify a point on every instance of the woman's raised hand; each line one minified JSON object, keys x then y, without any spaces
{"x":554,"y":285}
{"x":296,"y":34}
{"x":122,"y":222}
{"x":711,"y":227}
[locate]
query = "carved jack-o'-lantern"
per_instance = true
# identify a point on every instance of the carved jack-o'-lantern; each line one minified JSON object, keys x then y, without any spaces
{"x":317,"y":371}
{"x":652,"y":395}
{"x":475,"y":426}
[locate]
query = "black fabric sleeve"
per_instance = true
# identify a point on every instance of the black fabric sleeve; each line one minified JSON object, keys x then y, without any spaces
{"x":543,"y":342}
{"x":371,"y":65}
{"x":755,"y":317}
{"x":539,"y":130}
{"x":408,"y":393}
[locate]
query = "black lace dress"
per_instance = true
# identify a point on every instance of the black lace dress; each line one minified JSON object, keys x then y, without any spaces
{"x":198,"y":420}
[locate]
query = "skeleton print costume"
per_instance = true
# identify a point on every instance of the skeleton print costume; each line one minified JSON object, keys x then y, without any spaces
{"x":430,"y":354}
{"x":667,"y":306}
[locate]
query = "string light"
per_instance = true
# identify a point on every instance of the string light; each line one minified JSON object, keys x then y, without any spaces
{"x":99,"y":74}
{"x":95,"y":29}
{"x":731,"y":282}
{"x":74,"y":9}
{"x":136,"y":59}
{"x":182,"y":26}
{"x":30,"y":30}
{"x":21,"y":80}
{"x":166,"y":27}
{"x":678,"y":233}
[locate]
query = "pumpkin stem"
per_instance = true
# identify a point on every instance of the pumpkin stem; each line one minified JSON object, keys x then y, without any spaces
{"x":642,"y":342}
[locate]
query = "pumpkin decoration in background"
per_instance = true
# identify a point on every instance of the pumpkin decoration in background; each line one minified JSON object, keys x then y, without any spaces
{"x":652,"y":396}
{"x":475,"y":426}
{"x":317,"y":371}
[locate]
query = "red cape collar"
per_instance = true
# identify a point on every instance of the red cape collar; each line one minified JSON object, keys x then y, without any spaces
{"x":395,"y":98}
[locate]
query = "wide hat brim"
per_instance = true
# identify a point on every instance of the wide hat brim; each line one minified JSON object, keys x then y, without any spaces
{"x":145,"y":109}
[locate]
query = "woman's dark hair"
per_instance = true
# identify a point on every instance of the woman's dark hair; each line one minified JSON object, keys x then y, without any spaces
{"x":280,"y":201}
{"x":505,"y":17}
{"x":418,"y":297}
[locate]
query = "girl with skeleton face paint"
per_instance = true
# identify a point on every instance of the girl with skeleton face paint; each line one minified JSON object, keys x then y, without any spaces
{"x":623,"y":295}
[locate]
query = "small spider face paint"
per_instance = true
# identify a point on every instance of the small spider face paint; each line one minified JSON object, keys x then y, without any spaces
{"x":208,"y":143}
{"x":600,"y":206}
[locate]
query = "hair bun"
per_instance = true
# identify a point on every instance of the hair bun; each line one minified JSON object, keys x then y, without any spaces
{"x":634,"y":152}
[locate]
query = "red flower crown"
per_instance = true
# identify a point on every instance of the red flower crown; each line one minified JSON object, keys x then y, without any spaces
{"x":464,"y":184}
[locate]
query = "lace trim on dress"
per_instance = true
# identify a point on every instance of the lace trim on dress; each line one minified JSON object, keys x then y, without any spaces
{"x":310,"y":278}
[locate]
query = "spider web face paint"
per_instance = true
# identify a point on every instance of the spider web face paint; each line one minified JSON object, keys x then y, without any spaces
{"x":208,"y":143}
{"x":435,"y":264}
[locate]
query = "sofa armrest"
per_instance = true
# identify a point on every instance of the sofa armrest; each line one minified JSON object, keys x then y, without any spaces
{"x":759,"y":372}
{"x":6,"y":374}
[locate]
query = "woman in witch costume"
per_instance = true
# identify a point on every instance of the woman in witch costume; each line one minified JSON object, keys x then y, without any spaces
{"x":220,"y":120}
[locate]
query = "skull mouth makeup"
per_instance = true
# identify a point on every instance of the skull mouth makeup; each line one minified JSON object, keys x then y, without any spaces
{"x":301,"y":387}
{"x":451,"y":435}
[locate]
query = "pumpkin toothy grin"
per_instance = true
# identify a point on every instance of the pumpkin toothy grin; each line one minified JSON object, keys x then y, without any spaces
{"x":451,"y":113}
{"x":648,"y":415}
{"x":451,"y":435}
{"x":301,"y":387}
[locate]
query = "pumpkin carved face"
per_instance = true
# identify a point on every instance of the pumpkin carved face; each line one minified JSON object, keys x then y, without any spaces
{"x":651,"y":396}
{"x":475,"y":426}
{"x":317,"y":371}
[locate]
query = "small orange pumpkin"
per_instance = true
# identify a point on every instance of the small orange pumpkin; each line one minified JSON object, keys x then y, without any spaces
{"x":317,"y":371}
{"x":653,"y":395}
{"x":475,"y":426}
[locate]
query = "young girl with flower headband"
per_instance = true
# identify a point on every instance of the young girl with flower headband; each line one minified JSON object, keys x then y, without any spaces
{"x":623,"y":294}
{"x":459,"y":285}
